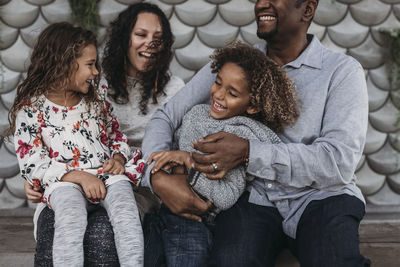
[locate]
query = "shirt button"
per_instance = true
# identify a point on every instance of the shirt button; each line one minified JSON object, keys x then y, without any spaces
{"x":258,"y":172}
{"x":269,"y":185}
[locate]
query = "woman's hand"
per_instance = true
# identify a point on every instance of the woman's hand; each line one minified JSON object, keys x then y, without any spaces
{"x":224,"y":151}
{"x":167,"y":159}
{"x":32,"y":193}
{"x":93,"y":187}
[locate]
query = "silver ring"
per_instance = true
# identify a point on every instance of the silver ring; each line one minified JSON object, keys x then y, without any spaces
{"x":215,"y":167}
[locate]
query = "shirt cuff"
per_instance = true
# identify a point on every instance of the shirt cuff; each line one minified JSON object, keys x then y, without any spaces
{"x":260,"y":160}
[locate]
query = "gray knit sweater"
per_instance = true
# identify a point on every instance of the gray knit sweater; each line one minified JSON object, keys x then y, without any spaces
{"x":198,"y":123}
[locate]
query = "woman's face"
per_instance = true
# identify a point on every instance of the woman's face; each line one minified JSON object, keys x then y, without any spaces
{"x":140,"y":52}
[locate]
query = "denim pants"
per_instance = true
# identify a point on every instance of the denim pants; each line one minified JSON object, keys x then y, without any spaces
{"x":327,"y":234}
{"x":171,"y":240}
{"x":252,"y":235}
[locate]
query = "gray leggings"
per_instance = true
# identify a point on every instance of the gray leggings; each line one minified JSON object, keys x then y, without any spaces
{"x":70,"y":208}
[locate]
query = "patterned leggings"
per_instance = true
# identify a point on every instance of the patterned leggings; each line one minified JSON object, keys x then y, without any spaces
{"x":70,"y":208}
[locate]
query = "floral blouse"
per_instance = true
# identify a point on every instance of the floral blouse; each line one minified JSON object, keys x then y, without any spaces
{"x":51,"y":140}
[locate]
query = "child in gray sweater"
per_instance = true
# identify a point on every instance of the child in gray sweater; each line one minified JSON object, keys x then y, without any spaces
{"x":251,"y":98}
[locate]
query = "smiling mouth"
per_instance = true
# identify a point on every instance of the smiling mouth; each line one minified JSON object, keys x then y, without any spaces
{"x":266,"y":18}
{"x":147,"y":55}
{"x":218,"y":107}
{"x":90,"y":82}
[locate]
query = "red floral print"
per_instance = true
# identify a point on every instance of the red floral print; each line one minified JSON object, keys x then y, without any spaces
{"x":132,"y":177}
{"x":23,"y":149}
{"x":137,"y":157}
{"x":114,"y":126}
{"x":140,"y":167}
{"x":36,"y":183}
{"x":116,"y":146}
{"x":104,"y":139}
{"x":53,"y":154}
{"x":37,"y":142}
{"x":77,"y":125}
{"x":40,"y":117}
{"x":77,"y":154}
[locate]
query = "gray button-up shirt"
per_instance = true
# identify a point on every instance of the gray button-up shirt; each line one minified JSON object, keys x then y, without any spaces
{"x":319,"y":154}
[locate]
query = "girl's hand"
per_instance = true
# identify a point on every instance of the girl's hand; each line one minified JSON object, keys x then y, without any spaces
{"x":167,"y":159}
{"x":32,"y":192}
{"x":113,"y":166}
{"x":93,"y":187}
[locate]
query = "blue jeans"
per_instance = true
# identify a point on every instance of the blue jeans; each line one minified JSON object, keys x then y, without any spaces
{"x":175,"y":241}
{"x":252,"y":235}
{"x":327,"y":234}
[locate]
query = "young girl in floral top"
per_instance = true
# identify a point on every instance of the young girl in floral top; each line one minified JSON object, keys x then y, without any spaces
{"x":68,"y":143}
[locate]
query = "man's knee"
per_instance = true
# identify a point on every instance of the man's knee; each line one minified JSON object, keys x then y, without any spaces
{"x":327,"y":234}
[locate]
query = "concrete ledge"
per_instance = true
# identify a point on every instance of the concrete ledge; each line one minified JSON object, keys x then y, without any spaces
{"x":16,"y":259}
{"x":379,"y":239}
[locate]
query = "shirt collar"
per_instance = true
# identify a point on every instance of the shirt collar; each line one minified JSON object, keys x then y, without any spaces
{"x":311,"y":56}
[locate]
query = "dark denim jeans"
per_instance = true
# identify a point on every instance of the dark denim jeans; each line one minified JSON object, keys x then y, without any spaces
{"x":252,"y":235}
{"x":171,"y":240}
{"x":327,"y":234}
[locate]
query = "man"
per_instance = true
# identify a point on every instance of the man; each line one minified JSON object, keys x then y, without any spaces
{"x":304,"y":196}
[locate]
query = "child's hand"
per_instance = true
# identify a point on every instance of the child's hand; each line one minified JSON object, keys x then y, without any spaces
{"x":32,"y":193}
{"x":92,"y":186}
{"x":167,"y":159}
{"x":113,"y":166}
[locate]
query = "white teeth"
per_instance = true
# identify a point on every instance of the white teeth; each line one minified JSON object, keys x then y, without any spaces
{"x":218,"y":106}
{"x":145,"y":54}
{"x":266,"y":18}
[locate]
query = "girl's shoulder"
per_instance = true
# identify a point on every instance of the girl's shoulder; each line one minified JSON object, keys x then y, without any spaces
{"x":34,"y":104}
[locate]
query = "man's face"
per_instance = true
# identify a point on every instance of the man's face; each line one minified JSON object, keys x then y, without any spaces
{"x":277,"y":18}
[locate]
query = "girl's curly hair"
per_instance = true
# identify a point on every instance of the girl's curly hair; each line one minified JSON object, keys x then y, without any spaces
{"x":52,"y":63}
{"x":115,"y":57}
{"x":271,"y":90}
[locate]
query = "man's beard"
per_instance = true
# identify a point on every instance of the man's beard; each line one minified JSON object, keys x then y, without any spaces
{"x":267,"y":35}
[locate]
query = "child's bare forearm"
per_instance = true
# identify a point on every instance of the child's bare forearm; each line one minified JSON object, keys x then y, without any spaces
{"x":73,"y":177}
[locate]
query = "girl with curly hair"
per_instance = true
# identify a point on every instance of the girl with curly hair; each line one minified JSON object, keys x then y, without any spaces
{"x":136,"y":80}
{"x":251,"y":98}
{"x":69,"y":145}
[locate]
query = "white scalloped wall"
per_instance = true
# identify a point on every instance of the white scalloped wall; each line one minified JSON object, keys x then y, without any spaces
{"x":199,"y":26}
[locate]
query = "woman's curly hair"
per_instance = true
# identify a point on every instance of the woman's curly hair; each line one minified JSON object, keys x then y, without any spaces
{"x":271,"y":90}
{"x":115,"y":57}
{"x":52,"y":63}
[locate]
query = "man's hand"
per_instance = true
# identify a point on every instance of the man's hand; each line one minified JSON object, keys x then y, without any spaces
{"x":167,"y":159}
{"x":178,"y":196}
{"x":223,"y":149}
{"x":32,"y":193}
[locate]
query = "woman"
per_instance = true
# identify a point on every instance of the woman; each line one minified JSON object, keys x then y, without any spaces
{"x":135,"y":63}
